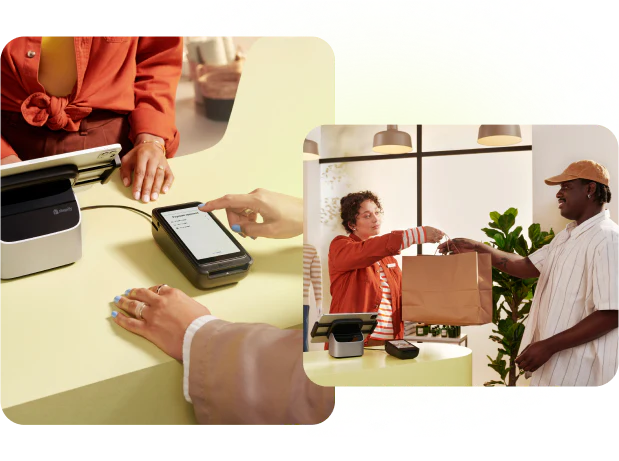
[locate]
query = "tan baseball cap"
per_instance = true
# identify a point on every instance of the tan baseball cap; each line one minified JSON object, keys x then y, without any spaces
{"x":583,"y":169}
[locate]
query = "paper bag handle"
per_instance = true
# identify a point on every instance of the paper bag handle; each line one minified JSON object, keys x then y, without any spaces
{"x":448,"y":239}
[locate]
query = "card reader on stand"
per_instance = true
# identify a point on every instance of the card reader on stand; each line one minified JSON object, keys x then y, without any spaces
{"x":345,"y":334}
{"x":40,"y":224}
{"x":345,"y":338}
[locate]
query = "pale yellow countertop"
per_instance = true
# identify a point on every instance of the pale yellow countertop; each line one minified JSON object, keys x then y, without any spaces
{"x":56,"y":328}
{"x":436,"y":365}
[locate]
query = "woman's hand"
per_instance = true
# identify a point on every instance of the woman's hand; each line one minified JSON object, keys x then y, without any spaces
{"x":148,"y":163}
{"x":282,"y":215}
{"x":165,"y":317}
{"x":10,"y":159}
{"x":433,"y":235}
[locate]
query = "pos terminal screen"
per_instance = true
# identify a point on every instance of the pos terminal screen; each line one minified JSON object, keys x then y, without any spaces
{"x":201,"y":234}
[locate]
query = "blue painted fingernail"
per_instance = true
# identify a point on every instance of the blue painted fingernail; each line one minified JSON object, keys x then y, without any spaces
{"x":114,"y":314}
{"x":236,"y":228}
{"x":201,"y":205}
{"x":116,"y":299}
{"x":128,"y":291}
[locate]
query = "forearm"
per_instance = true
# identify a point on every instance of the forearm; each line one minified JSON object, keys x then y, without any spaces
{"x":346,"y":255}
{"x":592,"y":327}
{"x":253,"y":374}
{"x":510,"y":263}
{"x":158,"y":70}
{"x":413,"y":236}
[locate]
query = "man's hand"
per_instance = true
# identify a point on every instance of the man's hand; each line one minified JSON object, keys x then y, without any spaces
{"x":10,"y":159}
{"x":534,"y":356}
{"x":458,"y":245}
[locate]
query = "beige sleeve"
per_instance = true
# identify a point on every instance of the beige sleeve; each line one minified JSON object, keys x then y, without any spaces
{"x":243,"y":373}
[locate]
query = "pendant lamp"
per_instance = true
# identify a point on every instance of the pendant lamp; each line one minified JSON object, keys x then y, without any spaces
{"x":392,"y":141}
{"x":310,"y":150}
{"x":499,"y":135}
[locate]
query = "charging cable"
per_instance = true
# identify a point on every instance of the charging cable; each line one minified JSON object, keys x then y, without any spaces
{"x":94,"y":207}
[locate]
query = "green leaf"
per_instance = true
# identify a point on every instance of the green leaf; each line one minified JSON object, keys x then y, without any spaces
{"x":524,"y":310}
{"x":512,"y":211}
{"x":489,"y":232}
{"x":495,"y":216}
{"x":500,"y":240}
{"x":534,"y":233}
{"x":516,"y":232}
{"x":503,"y":223}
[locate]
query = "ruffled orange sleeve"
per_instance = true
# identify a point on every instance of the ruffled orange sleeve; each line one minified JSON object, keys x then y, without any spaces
{"x":158,"y":71}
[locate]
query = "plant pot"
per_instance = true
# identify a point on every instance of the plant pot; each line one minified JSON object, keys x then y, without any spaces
{"x":218,"y":109}
{"x":219,"y":85}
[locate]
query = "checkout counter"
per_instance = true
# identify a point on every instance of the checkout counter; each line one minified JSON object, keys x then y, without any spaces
{"x":436,"y":365}
{"x":65,"y":361}
{"x":346,"y":362}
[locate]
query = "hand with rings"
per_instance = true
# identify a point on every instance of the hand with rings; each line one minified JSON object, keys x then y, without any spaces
{"x":160,"y":314}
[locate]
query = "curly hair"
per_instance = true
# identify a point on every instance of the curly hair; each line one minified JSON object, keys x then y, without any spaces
{"x":350,"y":207}
{"x":602,"y":191}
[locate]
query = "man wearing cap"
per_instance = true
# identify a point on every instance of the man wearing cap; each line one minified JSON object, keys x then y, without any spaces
{"x":571,"y":335}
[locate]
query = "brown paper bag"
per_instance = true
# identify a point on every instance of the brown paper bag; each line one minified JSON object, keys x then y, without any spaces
{"x":447,"y":290}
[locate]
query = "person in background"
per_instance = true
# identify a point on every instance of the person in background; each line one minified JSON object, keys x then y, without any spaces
{"x":365,"y":277}
{"x":234,"y":373}
{"x":312,"y":275}
{"x":64,"y":94}
{"x":571,"y":333}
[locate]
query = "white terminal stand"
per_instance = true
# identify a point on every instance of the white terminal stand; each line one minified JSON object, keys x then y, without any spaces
{"x":345,"y":333}
{"x":40,"y":215}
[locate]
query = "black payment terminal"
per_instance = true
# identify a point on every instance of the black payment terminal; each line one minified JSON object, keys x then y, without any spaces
{"x":199,"y":245}
{"x":401,"y":349}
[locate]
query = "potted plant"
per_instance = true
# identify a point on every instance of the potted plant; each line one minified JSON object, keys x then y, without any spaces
{"x":512,"y":296}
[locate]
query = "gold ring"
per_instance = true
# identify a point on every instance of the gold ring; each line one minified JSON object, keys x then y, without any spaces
{"x":247,"y":211}
{"x":161,"y":167}
{"x":160,"y":287}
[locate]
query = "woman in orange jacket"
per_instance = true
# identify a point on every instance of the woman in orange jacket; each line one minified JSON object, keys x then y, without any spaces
{"x":365,"y":277}
{"x":64,"y":94}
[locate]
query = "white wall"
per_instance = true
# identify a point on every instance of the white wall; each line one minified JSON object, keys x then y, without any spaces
{"x":555,"y":147}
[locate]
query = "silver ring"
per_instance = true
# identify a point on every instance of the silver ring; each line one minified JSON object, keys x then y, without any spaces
{"x":138,"y":311}
{"x":160,"y":287}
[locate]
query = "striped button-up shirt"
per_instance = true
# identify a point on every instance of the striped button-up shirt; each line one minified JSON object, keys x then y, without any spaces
{"x":312,"y":274}
{"x":578,"y":276}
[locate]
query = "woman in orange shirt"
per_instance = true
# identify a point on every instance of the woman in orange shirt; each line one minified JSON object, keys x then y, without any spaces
{"x":63,"y":94}
{"x":365,"y":277}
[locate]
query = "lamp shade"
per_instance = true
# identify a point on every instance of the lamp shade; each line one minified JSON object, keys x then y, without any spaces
{"x":310,"y":150}
{"x":392,"y":141}
{"x":499,"y":135}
